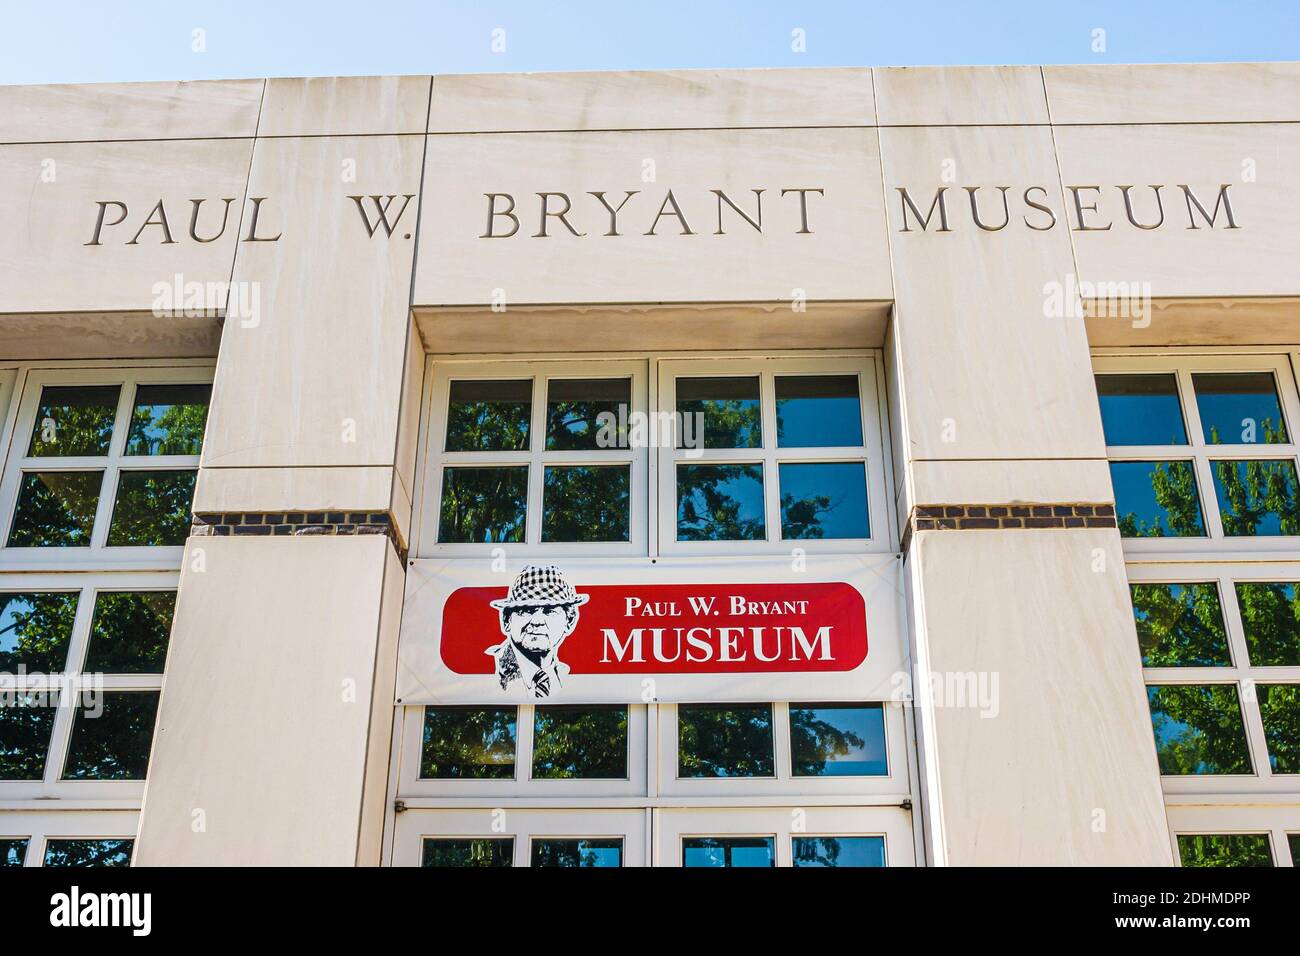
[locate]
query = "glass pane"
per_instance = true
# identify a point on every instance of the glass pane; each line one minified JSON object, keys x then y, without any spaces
{"x":129,"y":632}
{"x":1270,"y":616}
{"x":1156,"y":499}
{"x":580,"y":742}
{"x":574,"y":408}
{"x":578,"y":853}
{"x":56,"y":509}
{"x":818,"y":411}
{"x":1256,"y":497}
{"x":838,"y":851}
{"x":1198,"y":729}
{"x":111,"y":741}
{"x":728,"y":407}
{"x":483,"y":505}
{"x":74,"y":420}
{"x":35,"y":630}
{"x":1141,"y":409}
{"x":729,"y":851}
{"x":1180,"y":625}
{"x":824,"y":500}
{"x":26,"y":723}
{"x":1279,"y":708}
{"x":152,"y":509}
{"x":493,"y":851}
{"x":1229,"y":849}
{"x":720,"y":503}
{"x":168,"y":420}
{"x":724,"y":741}
{"x":468,"y":743}
{"x":837,"y":740}
{"x":489,"y":416}
{"x":12,"y":852}
{"x":586,"y":503}
{"x":1239,"y":408}
{"x":1293,"y":841}
{"x":88,"y":852}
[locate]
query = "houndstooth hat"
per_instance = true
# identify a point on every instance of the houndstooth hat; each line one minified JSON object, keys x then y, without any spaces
{"x":543,"y":587}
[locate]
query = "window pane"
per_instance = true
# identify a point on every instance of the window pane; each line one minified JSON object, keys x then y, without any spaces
{"x":12,"y":852}
{"x":494,"y":851}
{"x":1198,"y":729}
{"x":1256,"y":497}
{"x":1270,"y":616}
{"x":838,"y":851}
{"x":74,"y":420}
{"x":1141,"y":409}
{"x":729,"y":408}
{"x":724,"y":741}
{"x":1293,"y":841}
{"x":837,"y":740}
{"x":720,"y":503}
{"x":824,"y":500}
{"x":35,"y":630}
{"x":26,"y":722}
{"x":1229,"y":849}
{"x":586,"y":503}
{"x":88,"y":852}
{"x":1180,"y":625}
{"x":152,"y":509}
{"x":580,"y":742}
{"x":1279,"y":708}
{"x":483,"y":505}
{"x":56,"y":509}
{"x":468,"y":743}
{"x":1239,"y":408}
{"x":818,"y":411}
{"x":1156,"y":499}
{"x":574,"y":407}
{"x":130,"y":631}
{"x":578,"y":853}
{"x":489,"y":416}
{"x":168,"y":420}
{"x":729,"y":851}
{"x":111,"y":742}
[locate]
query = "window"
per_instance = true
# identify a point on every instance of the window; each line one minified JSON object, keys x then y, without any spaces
{"x":663,"y":458}
{"x":729,"y":851}
{"x":13,"y":852}
{"x":1221,"y":850}
{"x":1201,"y":448}
{"x":95,"y":503}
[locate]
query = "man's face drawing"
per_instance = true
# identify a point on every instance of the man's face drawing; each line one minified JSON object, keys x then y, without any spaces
{"x":538,"y":629}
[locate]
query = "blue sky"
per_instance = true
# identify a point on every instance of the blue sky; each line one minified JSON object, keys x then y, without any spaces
{"x":67,"y":41}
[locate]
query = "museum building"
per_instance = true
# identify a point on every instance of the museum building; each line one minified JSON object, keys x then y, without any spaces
{"x":828,"y":467}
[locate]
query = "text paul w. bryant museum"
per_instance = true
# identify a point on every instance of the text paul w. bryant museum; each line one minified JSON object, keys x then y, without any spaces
{"x":864,"y":467}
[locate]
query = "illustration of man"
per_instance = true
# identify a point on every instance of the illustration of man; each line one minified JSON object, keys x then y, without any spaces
{"x":538,"y":613}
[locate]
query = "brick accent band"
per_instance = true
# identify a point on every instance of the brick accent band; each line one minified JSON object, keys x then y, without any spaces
{"x":984,"y":517}
{"x":295,"y":523}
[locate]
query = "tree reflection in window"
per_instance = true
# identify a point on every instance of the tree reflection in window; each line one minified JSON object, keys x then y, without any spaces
{"x":468,"y":743}
{"x":56,"y":509}
{"x":837,"y":851}
{"x":88,"y":852}
{"x":152,"y":509}
{"x":586,"y":503}
{"x":720,"y":503}
{"x":35,"y":630}
{"x":581,"y":853}
{"x":12,"y":852}
{"x":1198,"y":729}
{"x":1224,"y":850}
{"x":1156,"y":499}
{"x":483,"y":505}
{"x":1279,"y":709}
{"x":111,"y":741}
{"x":724,"y":741}
{"x":1257,"y":497}
{"x":129,"y":632}
{"x":572,"y":743}
{"x":490,"y":852}
{"x":835,"y":740}
{"x":1270,"y":616}
{"x":489,"y":415}
{"x":168,"y":420}
{"x":26,"y":723}
{"x":74,"y":421}
{"x":1180,"y":625}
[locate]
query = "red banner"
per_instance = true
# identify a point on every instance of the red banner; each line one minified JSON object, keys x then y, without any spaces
{"x":668,"y":628}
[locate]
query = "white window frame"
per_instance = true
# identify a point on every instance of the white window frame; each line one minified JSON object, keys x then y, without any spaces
{"x":97,"y":554}
{"x":867,"y":367}
{"x":784,"y":783}
{"x":672,"y":826}
{"x":412,"y":827}
{"x":1277,"y":822}
{"x":1241,"y":673}
{"x":435,"y":458}
{"x":39,"y":827}
{"x":522,"y":784}
{"x":1214,"y":545}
